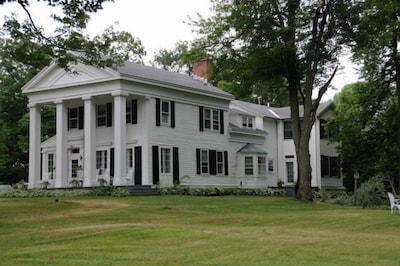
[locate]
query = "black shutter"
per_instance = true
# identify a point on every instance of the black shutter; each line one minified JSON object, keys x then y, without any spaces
{"x":156,"y":170}
{"x":109,"y":114}
{"x":172,"y":114}
{"x":201,"y":118}
{"x":81,"y":115}
{"x":198,"y":167}
{"x":158,"y":121}
{"x":134,"y":111}
{"x":175,"y":166}
{"x":213,"y":161}
{"x":68,"y":126}
{"x":112,"y":162}
{"x":226,"y":162}
{"x":221,"y":121}
{"x":138,"y":165}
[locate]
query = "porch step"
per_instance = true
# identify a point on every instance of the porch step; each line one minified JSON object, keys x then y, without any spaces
{"x":142,"y":190}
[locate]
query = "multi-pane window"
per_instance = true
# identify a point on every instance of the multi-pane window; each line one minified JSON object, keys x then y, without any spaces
{"x":74,"y":168}
{"x":329,"y":166}
{"x":287,"y":130}
{"x":247,"y":122}
{"x":262,"y":166}
{"x":211,"y":119}
{"x":220,"y":162}
{"x":129,"y":159}
{"x":73,"y":117}
{"x":165,"y":112}
{"x":165,"y":160}
{"x":128,"y":112}
{"x":270,"y":166}
{"x":248,"y":165}
{"x":50,"y":164}
{"x":204,"y":161}
{"x":290,"y":172}
{"x":101,"y":161}
{"x":101,"y":115}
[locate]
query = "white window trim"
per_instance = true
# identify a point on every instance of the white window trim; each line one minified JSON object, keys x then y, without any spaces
{"x":161,"y":160}
{"x":246,"y":166}
{"x":222,"y":163}
{"x":102,"y":115}
{"x":259,"y":165}
{"x":246,"y":122}
{"x":206,"y":162}
{"x":168,"y":114}
{"x":212,"y":120}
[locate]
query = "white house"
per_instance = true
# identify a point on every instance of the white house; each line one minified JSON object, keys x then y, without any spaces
{"x":138,"y":125}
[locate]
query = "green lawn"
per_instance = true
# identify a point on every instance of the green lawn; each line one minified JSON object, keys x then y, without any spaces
{"x":185,"y":230}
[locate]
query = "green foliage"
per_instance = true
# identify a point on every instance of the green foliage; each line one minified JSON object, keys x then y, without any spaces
{"x":340,"y":197}
{"x":218,"y":191}
{"x":40,"y":193}
{"x":372,"y":193}
{"x":363,"y":122}
{"x":107,"y":191}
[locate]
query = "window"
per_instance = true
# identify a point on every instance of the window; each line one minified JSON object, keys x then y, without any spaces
{"x":287,"y":130}
{"x":104,"y":115}
{"x":262,"y":166}
{"x":247,"y":122}
{"x":73,"y":118}
{"x":290,"y":172}
{"x":74,"y":168}
{"x":270,"y":166}
{"x":101,"y":115}
{"x":50,"y":164}
{"x":164,"y":112}
{"x":204,"y":161}
{"x":101,"y":161}
{"x":165,"y":160}
{"x":329,"y":166}
{"x":322,"y":131}
{"x":220,"y":163}
{"x":248,"y":165}
{"x":129,"y":159}
{"x":128,"y":112}
{"x":211,"y":119}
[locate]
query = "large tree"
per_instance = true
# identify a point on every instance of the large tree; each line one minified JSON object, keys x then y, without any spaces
{"x":375,"y":40}
{"x":364,"y":124}
{"x":69,"y":43}
{"x":293,"y":43}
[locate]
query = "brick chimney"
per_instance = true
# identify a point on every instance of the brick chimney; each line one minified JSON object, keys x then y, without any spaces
{"x":203,"y":70}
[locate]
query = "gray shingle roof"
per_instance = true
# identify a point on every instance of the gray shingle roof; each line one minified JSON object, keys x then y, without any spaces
{"x":164,"y":77}
{"x":251,"y":148}
{"x":276,"y":112}
{"x":251,"y":131}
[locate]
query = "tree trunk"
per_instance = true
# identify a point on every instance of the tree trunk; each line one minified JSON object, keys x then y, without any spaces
{"x":304,"y":191}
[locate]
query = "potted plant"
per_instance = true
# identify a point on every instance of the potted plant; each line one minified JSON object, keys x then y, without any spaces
{"x":45,"y":184}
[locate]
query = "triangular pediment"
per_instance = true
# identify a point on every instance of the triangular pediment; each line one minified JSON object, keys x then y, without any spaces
{"x":55,"y":77}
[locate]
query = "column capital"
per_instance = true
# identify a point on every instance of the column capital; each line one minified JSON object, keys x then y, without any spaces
{"x":87,"y":97}
{"x":119,"y":93}
{"x":58,"y":101}
{"x":33,"y":105}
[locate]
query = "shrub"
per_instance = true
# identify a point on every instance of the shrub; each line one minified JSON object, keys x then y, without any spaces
{"x":372,"y":193}
{"x":218,"y":191}
{"x":109,"y":191}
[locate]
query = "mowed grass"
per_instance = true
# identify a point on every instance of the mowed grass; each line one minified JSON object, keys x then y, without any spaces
{"x":185,"y":230}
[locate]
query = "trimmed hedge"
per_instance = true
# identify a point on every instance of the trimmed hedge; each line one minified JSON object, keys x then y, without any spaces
{"x":217,"y":191}
{"x":59,"y":193}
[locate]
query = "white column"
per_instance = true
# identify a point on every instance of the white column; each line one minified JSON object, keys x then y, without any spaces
{"x":146,"y":111}
{"x":34,"y":145}
{"x":61,"y":179}
{"x":119,"y":139}
{"x":89,"y":143}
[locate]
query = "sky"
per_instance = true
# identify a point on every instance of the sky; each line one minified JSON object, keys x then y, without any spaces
{"x":159,"y":24}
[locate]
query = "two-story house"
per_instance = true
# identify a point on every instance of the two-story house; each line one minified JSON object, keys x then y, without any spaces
{"x":138,"y":125}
